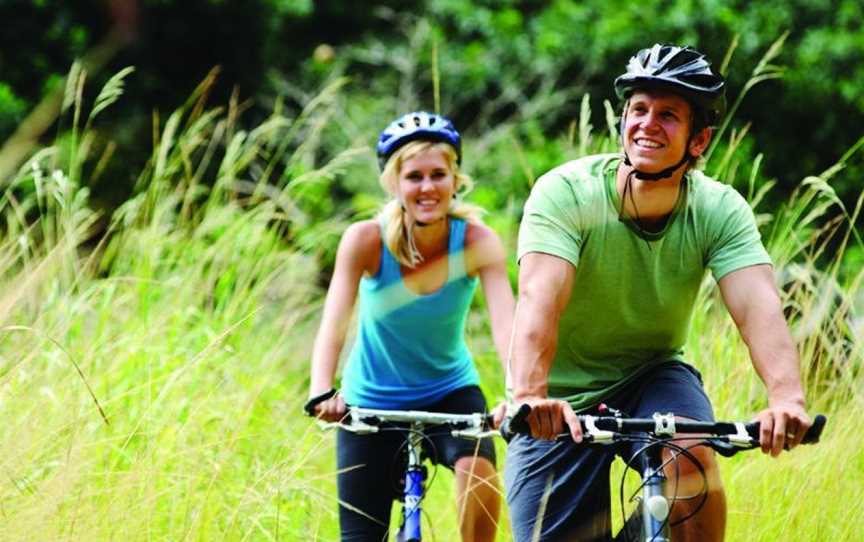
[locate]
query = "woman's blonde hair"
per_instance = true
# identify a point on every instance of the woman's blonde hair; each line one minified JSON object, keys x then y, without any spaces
{"x":399,"y":226}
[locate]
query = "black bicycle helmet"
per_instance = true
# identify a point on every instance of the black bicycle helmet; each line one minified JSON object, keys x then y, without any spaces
{"x":682,"y":70}
{"x":414,"y":126}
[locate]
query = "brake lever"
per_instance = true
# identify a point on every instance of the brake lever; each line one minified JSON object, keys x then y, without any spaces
{"x":722,"y":446}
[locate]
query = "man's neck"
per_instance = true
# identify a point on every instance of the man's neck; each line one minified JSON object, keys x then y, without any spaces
{"x":651,"y":202}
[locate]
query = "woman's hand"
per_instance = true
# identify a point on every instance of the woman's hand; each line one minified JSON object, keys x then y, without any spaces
{"x":327,"y":406}
{"x":331,"y":410}
{"x":498,"y":414}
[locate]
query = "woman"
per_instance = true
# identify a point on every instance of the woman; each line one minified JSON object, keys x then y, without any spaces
{"x":416,"y":267}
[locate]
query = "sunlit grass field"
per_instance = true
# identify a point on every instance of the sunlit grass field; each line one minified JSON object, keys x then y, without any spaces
{"x":151,"y":376}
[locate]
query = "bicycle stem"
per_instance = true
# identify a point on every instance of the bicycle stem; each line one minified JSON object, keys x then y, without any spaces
{"x":414,"y":482}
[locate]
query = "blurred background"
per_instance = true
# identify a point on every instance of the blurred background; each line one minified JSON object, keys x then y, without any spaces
{"x":503,"y":63}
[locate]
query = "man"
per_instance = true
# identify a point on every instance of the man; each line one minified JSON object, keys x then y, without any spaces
{"x":612,"y":251}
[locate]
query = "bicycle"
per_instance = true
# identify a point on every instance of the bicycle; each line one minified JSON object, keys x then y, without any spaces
{"x":415,"y":424}
{"x":650,"y":522}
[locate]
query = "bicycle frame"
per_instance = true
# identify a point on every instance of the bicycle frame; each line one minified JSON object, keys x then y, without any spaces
{"x":367,"y":420}
{"x":415,"y":486}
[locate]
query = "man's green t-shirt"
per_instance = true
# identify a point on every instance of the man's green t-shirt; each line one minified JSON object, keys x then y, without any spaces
{"x":633,"y":292}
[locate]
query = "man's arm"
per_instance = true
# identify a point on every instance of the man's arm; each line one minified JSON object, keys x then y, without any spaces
{"x":752,"y":300}
{"x":545,"y":284}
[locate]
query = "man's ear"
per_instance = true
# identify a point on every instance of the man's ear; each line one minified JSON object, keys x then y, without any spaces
{"x":622,"y":118}
{"x":700,"y":142}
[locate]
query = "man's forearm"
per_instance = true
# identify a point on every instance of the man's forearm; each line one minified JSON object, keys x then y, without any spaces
{"x":533,"y":351}
{"x":775,"y":358}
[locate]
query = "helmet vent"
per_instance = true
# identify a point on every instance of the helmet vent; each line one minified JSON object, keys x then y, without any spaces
{"x":418,"y":125}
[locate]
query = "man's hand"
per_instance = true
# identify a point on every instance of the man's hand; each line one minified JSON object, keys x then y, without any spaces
{"x":782,"y":426}
{"x":549,"y":417}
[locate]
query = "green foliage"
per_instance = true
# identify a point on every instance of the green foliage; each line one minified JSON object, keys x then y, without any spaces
{"x":483,"y":63}
{"x":12,"y":108}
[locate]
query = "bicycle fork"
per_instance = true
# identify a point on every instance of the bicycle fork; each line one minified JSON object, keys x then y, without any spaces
{"x":415,"y":477}
{"x":654,"y":505}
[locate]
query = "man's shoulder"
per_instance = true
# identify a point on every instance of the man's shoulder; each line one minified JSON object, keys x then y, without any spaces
{"x":587,"y":167}
{"x":712,"y":194}
{"x":577,"y":175}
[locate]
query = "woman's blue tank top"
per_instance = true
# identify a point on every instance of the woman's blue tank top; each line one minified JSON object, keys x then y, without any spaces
{"x":410,"y":349}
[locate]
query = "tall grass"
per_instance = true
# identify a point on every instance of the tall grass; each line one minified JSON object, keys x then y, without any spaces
{"x":151,"y":375}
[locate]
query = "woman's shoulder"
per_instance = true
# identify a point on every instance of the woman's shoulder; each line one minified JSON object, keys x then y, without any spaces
{"x":365,"y":232}
{"x":483,"y":247}
{"x":478,"y":232}
{"x":362,"y":243}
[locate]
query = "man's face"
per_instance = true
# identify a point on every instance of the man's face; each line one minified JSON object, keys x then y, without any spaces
{"x":656,"y":129}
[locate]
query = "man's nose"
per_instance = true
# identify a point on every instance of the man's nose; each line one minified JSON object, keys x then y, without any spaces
{"x":651,"y":120}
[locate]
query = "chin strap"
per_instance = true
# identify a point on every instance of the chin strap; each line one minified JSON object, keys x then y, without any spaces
{"x":643,"y":176}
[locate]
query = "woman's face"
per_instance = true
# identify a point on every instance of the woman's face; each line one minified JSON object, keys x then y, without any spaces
{"x":427,"y":185}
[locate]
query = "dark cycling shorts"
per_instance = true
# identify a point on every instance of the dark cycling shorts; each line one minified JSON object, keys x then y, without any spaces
{"x":578,"y":505}
{"x":371,"y":467}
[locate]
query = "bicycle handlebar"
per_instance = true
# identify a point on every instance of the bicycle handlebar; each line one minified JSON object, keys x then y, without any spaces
{"x":369,"y":420}
{"x":727,"y":438}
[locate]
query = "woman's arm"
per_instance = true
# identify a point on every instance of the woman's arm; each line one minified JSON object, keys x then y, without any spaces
{"x":486,"y":258}
{"x":359,"y":251}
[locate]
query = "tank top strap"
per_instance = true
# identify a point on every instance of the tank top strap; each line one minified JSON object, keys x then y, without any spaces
{"x":457,"y":267}
{"x":389,"y":266}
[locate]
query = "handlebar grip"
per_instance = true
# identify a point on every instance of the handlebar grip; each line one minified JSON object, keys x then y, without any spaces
{"x":309,"y":407}
{"x":511,"y":426}
{"x":814,"y":432}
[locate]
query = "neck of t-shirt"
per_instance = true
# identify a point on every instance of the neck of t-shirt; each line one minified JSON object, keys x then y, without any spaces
{"x":650,"y":202}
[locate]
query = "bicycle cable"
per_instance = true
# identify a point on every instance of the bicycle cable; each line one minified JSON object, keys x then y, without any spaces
{"x":426,"y":441}
{"x":680,"y":450}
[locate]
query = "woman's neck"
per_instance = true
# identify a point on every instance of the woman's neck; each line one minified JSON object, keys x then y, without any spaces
{"x":432,"y":240}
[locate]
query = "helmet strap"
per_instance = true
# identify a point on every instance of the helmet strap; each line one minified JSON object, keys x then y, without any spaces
{"x":645,"y":176}
{"x":637,"y":220}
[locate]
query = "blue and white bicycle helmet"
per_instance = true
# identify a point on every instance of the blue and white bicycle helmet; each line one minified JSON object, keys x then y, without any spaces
{"x":414,"y":126}
{"x":682,"y":70}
